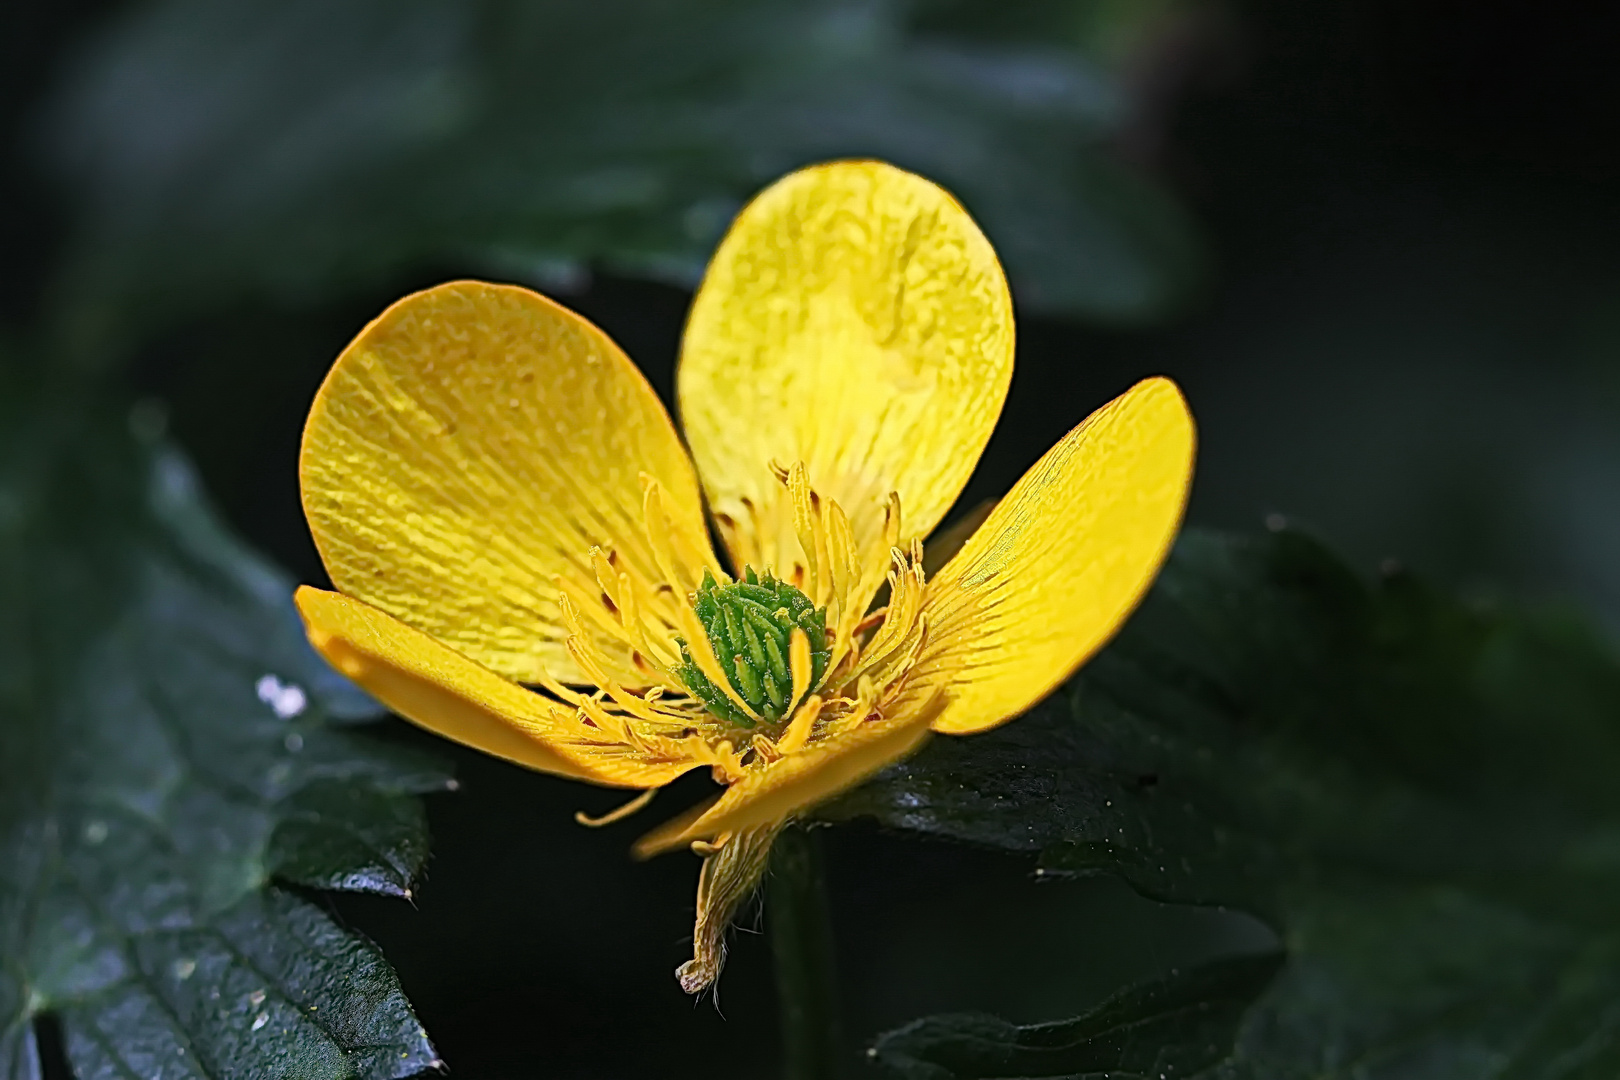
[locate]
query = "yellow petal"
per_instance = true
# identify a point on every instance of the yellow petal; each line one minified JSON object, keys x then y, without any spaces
{"x":855,"y":319}
{"x":776,"y":792}
{"x":467,"y":450}
{"x":1061,"y":561}
{"x":446,"y":693}
{"x":943,"y":545}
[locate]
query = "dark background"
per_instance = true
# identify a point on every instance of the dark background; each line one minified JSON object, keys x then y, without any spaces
{"x":1407,"y":341}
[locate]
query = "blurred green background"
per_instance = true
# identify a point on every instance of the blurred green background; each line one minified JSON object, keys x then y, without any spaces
{"x":1374,"y":239}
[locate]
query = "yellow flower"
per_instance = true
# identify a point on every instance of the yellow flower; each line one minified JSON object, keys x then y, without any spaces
{"x":519,"y":541}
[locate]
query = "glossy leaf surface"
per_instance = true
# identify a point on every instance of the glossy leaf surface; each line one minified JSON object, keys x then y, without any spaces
{"x":1168,"y":1029}
{"x":1415,"y":791}
{"x":172,"y":754}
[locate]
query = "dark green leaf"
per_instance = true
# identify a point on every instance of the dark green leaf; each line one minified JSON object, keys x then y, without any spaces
{"x":305,"y":147}
{"x":169,"y":746}
{"x":1418,"y":792}
{"x":1164,"y":1030}
{"x":355,"y":839}
{"x":270,"y":987}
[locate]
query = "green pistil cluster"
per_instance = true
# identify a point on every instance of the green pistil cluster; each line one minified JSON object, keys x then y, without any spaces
{"x":750,"y":626}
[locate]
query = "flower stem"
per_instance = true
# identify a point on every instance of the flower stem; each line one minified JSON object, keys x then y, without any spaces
{"x":802,"y":943}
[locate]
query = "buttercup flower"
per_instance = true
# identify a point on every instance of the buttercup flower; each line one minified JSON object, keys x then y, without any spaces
{"x":519,"y":542}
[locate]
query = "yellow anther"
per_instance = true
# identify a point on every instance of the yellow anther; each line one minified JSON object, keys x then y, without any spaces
{"x":800,"y":727}
{"x":606,"y":576}
{"x":765,"y":750}
{"x":656,"y":526}
{"x":865,"y":701}
{"x":801,"y":665}
{"x":797,"y":481}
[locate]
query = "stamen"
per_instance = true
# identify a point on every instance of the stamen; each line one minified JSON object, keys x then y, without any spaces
{"x":843,"y":560}
{"x":802,"y":663}
{"x":872,"y":621}
{"x":798,"y":730}
{"x":765,"y":750}
{"x":865,"y":703}
{"x":729,"y":656}
{"x":811,"y":541}
{"x":618,"y":814}
{"x":726,"y":762}
{"x":643,"y":708}
{"x":680,"y":556}
{"x":606,"y":576}
{"x":868,"y":574}
{"x":905,"y":602}
{"x":563,"y":693}
{"x":605,"y":623}
{"x":892,"y":676}
{"x":630,"y":614}
{"x":656,"y":526}
{"x":877,"y":558}
{"x":608,"y":723}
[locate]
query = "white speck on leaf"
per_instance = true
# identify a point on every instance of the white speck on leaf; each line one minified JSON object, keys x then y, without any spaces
{"x":95,"y":832}
{"x":183,"y":969}
{"x":260,"y":1020}
{"x":286,"y":700}
{"x":256,"y":998}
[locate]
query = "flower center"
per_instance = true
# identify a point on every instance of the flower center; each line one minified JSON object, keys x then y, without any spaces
{"x":750,"y":625}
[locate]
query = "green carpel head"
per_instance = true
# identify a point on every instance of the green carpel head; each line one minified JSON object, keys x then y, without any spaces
{"x":750,"y":626}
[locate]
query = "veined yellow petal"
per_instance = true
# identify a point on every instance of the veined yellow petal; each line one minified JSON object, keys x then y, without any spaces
{"x":777,"y":792}
{"x":471,"y":446}
{"x":855,"y":319}
{"x":1061,"y":561}
{"x":439,"y":689}
{"x":944,"y":544}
